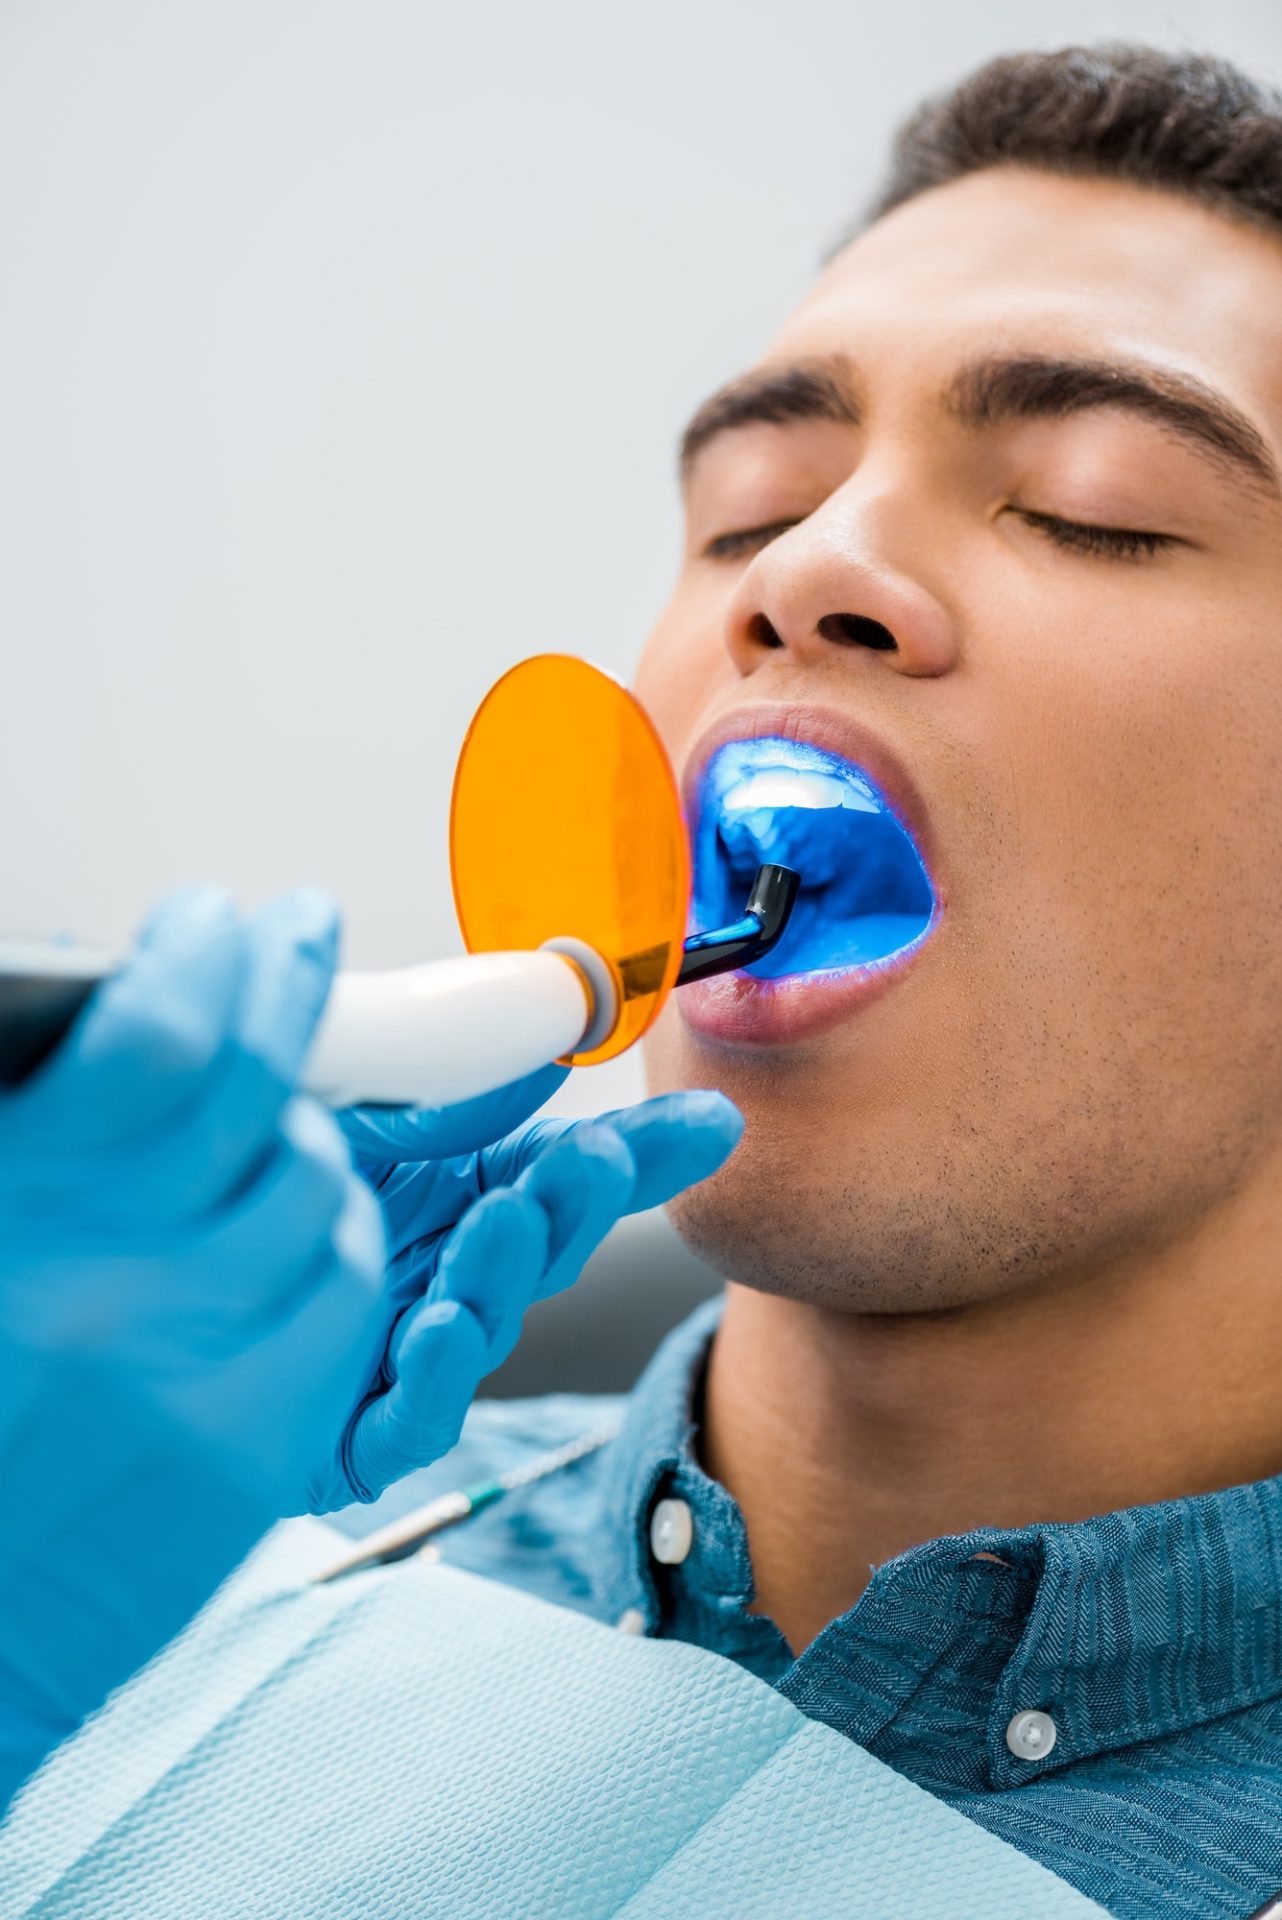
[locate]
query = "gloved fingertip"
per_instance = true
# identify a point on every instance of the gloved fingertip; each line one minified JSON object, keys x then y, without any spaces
{"x":443,"y":1339}
{"x":444,"y":1356}
{"x":194,"y":910}
{"x":309,"y":918}
{"x":495,"y":1254}
{"x":169,"y":1007}
{"x":705,"y":1107}
{"x":601,"y":1141}
{"x":512,"y":1219}
{"x":701,"y":1107}
{"x":292,"y":945}
{"x":700,"y":1120}
{"x":676,"y":1140}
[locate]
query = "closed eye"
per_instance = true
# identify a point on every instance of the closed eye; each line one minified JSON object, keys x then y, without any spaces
{"x":1115,"y":543}
{"x":743,"y":540}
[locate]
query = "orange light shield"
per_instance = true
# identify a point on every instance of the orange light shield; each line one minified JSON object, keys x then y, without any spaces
{"x":566,"y":821}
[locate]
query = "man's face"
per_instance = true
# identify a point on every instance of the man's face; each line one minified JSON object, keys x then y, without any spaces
{"x":1077,"y":1051}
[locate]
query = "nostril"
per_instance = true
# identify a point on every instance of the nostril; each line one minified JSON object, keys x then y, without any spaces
{"x":857,"y":630}
{"x":761,"y":633}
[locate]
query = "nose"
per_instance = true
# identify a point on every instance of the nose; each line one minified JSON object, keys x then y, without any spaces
{"x":831,"y":584}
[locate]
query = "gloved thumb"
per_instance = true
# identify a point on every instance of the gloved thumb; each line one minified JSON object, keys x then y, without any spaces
{"x":397,"y":1134}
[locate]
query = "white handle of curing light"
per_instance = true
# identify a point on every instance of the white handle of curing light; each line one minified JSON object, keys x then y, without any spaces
{"x":423,"y":1036}
{"x":453,"y":1029}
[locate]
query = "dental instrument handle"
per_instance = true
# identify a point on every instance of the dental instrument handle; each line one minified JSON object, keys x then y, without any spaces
{"x":43,"y":986}
{"x":419,"y":1036}
{"x":453,"y":1029}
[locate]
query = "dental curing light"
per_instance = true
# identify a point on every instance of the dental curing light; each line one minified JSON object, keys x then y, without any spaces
{"x":571,"y":878}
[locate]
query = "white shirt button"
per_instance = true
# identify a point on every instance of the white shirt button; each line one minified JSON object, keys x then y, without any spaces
{"x":632,"y":1620}
{"x":671,"y":1532}
{"x":1031,"y":1735}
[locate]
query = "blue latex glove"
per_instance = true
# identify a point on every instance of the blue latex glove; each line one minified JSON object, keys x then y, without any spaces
{"x":190,"y":1291}
{"x":194,"y":1336}
{"x":476,"y":1237}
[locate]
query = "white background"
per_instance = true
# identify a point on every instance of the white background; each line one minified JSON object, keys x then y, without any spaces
{"x":343,"y":344}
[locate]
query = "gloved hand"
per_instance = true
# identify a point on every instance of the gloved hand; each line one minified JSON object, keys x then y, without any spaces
{"x":476,"y":1237}
{"x":193,"y":1331}
{"x":190,"y":1289}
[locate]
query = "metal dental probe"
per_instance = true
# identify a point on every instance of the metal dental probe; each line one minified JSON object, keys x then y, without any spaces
{"x":403,"y":1537}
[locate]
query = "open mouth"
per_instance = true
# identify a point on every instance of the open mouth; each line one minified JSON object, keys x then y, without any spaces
{"x":865,"y":897}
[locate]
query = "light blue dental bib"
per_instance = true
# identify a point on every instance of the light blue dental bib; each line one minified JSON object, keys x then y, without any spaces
{"x":415,"y":1741}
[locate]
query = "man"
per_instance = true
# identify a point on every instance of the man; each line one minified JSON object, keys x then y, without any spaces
{"x":979,"y":1465}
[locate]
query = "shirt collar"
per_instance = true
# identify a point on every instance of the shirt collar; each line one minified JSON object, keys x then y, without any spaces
{"x":1145,"y":1621}
{"x":1125,"y":1628}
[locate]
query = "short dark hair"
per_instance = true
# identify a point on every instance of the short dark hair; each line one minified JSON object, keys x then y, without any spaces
{"x":1190,"y":123}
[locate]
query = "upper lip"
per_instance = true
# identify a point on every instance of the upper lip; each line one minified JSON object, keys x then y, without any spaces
{"x":836,"y":733}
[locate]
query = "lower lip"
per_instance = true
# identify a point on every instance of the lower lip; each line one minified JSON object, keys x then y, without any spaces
{"x":738,"y":1010}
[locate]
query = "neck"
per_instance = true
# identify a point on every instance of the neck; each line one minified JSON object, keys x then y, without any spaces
{"x":847,"y":1438}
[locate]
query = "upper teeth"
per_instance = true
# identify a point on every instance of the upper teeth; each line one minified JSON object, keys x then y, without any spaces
{"x":770,"y":814}
{"x":795,"y":787}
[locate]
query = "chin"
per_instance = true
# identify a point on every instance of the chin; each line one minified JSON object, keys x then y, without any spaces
{"x":819,"y":1207}
{"x":780,"y":1219}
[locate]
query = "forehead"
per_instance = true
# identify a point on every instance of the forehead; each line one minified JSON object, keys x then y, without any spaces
{"x":1014,"y":259}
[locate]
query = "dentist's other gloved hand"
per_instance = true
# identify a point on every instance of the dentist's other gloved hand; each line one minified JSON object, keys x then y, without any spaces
{"x":477,"y":1236}
{"x":190,"y":1290}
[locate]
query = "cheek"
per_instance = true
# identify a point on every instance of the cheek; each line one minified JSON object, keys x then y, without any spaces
{"x":1155,"y":764}
{"x":659,"y":1054}
{"x":1135,"y":910}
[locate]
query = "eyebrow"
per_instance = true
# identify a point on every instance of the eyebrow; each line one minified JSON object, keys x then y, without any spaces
{"x":773,"y":397}
{"x":994,"y":390}
{"x":1034,"y":386}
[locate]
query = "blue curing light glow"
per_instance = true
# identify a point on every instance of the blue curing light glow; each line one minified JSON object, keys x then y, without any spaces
{"x":865,"y":893}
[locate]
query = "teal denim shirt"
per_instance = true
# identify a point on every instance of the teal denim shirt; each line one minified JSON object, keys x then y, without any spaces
{"x":1151,"y":1637}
